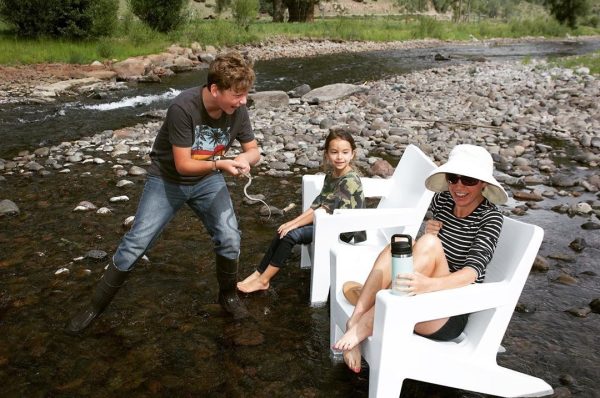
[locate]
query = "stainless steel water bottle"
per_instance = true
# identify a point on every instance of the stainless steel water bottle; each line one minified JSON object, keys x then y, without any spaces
{"x":401,"y":261}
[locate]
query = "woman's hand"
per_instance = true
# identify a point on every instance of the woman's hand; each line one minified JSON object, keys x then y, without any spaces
{"x":433,"y":227}
{"x":415,"y":283}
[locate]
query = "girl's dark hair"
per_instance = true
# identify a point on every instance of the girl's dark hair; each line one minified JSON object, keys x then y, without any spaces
{"x":337,"y":134}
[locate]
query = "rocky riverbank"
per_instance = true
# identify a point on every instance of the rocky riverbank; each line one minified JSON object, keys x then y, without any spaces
{"x":46,"y":83}
{"x":526,"y":115}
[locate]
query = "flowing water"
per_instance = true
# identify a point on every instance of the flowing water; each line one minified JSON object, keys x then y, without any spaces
{"x":23,"y":126}
{"x":164,"y":334}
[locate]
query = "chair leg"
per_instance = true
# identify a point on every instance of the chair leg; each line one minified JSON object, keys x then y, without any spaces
{"x":384,"y":381}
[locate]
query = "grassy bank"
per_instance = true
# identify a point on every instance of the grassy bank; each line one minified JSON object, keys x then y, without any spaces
{"x":134,"y":39}
{"x":591,"y":61}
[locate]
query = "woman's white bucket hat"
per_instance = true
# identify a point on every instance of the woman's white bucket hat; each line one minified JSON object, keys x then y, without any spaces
{"x":470,"y":161}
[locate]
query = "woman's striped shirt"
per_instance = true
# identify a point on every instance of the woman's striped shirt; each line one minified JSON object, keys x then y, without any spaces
{"x":468,"y":241}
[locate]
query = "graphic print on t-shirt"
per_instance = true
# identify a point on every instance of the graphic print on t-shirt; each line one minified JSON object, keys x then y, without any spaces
{"x":209,"y":141}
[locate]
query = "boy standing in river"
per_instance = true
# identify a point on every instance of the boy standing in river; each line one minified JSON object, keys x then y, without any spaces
{"x":200,"y":125}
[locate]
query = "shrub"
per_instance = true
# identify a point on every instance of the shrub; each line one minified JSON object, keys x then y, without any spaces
{"x":244,"y":12}
{"x":160,"y":15}
{"x":65,"y":18}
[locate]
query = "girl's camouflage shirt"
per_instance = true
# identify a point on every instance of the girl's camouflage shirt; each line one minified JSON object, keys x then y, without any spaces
{"x":344,"y":192}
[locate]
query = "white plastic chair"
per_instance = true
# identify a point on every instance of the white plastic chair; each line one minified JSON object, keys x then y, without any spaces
{"x":395,"y":353}
{"x":403,"y":196}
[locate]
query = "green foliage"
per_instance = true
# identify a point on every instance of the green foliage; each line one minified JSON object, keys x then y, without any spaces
{"x":441,"y":5}
{"x":412,"y":5}
{"x":60,"y":18}
{"x":244,"y":12}
{"x":222,"y":5}
{"x":428,"y":28}
{"x":105,"y":49}
{"x":591,"y":61}
{"x":161,"y":15}
{"x":567,"y":11}
{"x":134,"y":38}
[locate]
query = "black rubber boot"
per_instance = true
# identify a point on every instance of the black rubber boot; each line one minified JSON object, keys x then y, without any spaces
{"x":228,"y":298}
{"x":108,"y":286}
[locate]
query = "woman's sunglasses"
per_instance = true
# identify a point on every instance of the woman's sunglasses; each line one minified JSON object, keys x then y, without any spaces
{"x":466,"y":181}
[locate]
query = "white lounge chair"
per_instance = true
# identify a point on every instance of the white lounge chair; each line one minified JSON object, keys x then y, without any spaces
{"x":395,"y":353}
{"x":403,"y":196}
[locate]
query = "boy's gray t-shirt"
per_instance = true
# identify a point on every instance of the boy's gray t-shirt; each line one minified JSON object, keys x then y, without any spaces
{"x":188,"y":125}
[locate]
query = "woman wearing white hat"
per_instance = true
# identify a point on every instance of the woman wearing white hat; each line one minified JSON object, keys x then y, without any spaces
{"x":457,"y":245}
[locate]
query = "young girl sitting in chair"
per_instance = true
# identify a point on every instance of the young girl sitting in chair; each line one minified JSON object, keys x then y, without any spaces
{"x":342,"y":189}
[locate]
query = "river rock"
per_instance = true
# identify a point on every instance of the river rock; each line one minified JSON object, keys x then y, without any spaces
{"x":269,"y":99}
{"x":85,"y":206}
{"x":124,"y":183}
{"x":96,"y":255}
{"x":331,"y":92}
{"x":299,"y":91}
{"x":590,"y":225}
{"x":8,"y":208}
{"x":131,"y":68}
{"x":595,"y":305}
{"x":540,"y":264}
{"x":578,"y":244}
{"x":527,"y":196}
{"x":137,"y":171}
{"x":381,"y":168}
{"x":579,"y":312}
{"x":565,"y":279}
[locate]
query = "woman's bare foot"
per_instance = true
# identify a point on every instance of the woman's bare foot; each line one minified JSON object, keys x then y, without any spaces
{"x":352,"y":359}
{"x":252,"y":286}
{"x":250,"y":278}
{"x":354,"y":335}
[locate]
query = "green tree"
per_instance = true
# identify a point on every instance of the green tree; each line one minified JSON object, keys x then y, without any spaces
{"x":244,"y":12}
{"x":301,"y":10}
{"x":60,"y":18}
{"x":160,"y":15}
{"x":567,"y":11}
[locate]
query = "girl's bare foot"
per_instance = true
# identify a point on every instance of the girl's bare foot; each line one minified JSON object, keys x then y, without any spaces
{"x":252,"y":286}
{"x":352,"y":359}
{"x":250,"y":277}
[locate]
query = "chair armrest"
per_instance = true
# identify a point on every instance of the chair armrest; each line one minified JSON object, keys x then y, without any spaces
{"x":348,"y":220}
{"x":445,"y":303}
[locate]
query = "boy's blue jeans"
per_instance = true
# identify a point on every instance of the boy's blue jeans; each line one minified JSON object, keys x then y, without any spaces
{"x":160,"y":201}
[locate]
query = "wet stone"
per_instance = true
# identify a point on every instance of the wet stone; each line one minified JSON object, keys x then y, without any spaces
{"x":578,"y":245}
{"x":96,"y":255}
{"x":590,"y":225}
{"x":244,"y":334}
{"x":540,"y":264}
{"x":579,"y":312}
{"x":595,"y":305}
{"x":565,"y":279}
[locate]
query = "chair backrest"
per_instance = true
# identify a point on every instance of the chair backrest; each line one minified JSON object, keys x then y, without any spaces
{"x":515,"y":253}
{"x":407,"y":188}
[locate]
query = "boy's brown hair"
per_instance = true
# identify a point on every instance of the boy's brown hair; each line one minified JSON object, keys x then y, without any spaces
{"x":231,"y":71}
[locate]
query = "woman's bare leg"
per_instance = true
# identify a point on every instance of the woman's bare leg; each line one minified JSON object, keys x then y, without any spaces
{"x":429,"y":259}
{"x":379,"y":278}
{"x":362,"y":328}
